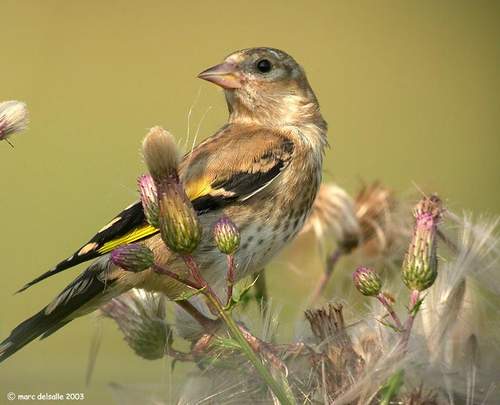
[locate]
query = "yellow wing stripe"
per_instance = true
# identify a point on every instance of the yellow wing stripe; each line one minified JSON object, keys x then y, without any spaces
{"x":130,"y":237}
{"x":193,"y":190}
{"x":198,"y":188}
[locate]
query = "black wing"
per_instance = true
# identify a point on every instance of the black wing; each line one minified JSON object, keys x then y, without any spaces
{"x":57,"y":314}
{"x":131,"y":225}
{"x":130,"y":219}
{"x":241,"y":185}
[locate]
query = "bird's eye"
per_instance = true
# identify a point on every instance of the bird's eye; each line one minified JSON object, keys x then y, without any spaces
{"x":264,"y":66}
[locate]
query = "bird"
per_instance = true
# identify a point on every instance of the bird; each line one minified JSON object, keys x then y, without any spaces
{"x":262,"y":169}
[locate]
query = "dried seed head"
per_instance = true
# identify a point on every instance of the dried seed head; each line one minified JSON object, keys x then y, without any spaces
{"x":160,"y":153}
{"x":420,"y":264}
{"x":149,"y":199}
{"x":13,"y":118}
{"x":179,"y":226}
{"x":226,"y":236}
{"x":327,"y":322}
{"x":367,"y":281}
{"x":140,"y":315}
{"x":370,"y":221}
{"x":134,"y":257}
{"x":333,"y":212}
{"x":375,"y":205}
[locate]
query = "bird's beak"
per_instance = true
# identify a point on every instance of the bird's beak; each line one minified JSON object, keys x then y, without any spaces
{"x":225,"y":75}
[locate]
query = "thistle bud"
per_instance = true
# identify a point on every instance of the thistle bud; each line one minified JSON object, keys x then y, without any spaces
{"x":367,"y":281}
{"x":420,"y":263}
{"x":160,"y":154}
{"x":178,"y":222}
{"x":134,"y":257}
{"x":141,"y":317}
{"x":226,"y":236}
{"x":13,"y":118}
{"x":179,"y":226}
{"x":149,"y":199}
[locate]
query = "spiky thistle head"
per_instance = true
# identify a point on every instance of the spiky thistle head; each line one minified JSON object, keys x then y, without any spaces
{"x":149,"y":199}
{"x":160,"y":153}
{"x":179,"y":225}
{"x":13,"y":118}
{"x":226,"y":236}
{"x":141,"y":317}
{"x":420,"y":263}
{"x":178,"y":222}
{"x":367,"y":281}
{"x":134,"y":257}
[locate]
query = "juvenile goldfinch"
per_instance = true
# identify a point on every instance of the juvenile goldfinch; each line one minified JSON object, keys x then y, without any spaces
{"x":262,"y":169}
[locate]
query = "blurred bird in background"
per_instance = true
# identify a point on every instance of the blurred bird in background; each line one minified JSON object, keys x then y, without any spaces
{"x":262,"y":169}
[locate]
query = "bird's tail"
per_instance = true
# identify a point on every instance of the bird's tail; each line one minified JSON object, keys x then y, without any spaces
{"x":82,"y":296}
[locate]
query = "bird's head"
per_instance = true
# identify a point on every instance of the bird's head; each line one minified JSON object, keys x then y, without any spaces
{"x":263,"y":85}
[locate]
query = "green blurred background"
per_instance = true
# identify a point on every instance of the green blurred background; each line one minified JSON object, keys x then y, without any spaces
{"x":411,"y":91}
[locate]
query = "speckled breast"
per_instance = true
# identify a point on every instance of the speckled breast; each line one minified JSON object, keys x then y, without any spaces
{"x":278,"y":219}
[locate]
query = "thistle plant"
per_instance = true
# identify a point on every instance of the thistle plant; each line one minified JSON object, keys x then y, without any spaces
{"x":342,"y":361}
{"x":226,"y":236}
{"x":368,"y":283}
{"x":227,"y":239}
{"x":346,"y":361}
{"x":177,"y":220}
{"x":13,"y":119}
{"x":141,"y":316}
{"x":420,"y":264}
{"x":149,"y":199}
{"x":179,"y":226}
{"x":366,"y":222}
{"x":419,"y":270}
{"x":167,"y":206}
{"x":133,"y":257}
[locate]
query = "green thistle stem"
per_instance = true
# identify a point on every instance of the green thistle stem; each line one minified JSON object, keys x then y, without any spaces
{"x":198,"y":278}
{"x":388,"y":306}
{"x":249,"y":353}
{"x":166,"y":272}
{"x":264,"y":373}
{"x":230,"y":278}
{"x":414,"y":299}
